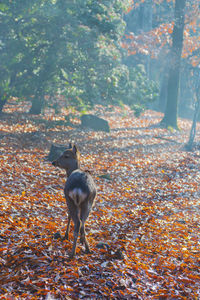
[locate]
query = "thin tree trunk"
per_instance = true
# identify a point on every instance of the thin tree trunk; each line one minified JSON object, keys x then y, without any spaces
{"x":37,"y":105}
{"x":190,"y":143}
{"x":2,"y":103}
{"x":171,"y":110}
{"x":163,"y":87}
{"x":4,"y":99}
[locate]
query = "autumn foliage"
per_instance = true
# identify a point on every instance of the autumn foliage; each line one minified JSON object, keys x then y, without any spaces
{"x":159,"y":38}
{"x":143,"y":231}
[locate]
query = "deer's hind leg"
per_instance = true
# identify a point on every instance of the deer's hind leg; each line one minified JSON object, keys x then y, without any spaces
{"x":84,"y":213}
{"x":77,"y":224}
{"x":74,"y":214}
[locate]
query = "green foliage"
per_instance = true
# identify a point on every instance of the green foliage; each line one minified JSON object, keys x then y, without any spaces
{"x":24,"y":51}
{"x":139,"y":92}
{"x":70,"y":48}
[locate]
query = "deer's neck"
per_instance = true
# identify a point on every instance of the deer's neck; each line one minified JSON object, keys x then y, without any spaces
{"x":74,"y":165}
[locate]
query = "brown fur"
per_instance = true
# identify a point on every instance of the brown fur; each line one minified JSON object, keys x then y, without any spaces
{"x":80,"y":193}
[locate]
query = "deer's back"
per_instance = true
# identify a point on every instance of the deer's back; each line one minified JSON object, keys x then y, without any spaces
{"x":82,"y":181}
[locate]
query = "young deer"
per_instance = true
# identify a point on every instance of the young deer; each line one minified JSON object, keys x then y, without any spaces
{"x":80,"y":192}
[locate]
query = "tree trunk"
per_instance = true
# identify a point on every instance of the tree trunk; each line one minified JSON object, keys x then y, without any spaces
{"x":163,"y":88}
{"x":2,"y":103}
{"x":149,"y":20}
{"x":171,"y":110}
{"x":190,"y":143}
{"x":37,"y":105}
{"x":162,"y":94}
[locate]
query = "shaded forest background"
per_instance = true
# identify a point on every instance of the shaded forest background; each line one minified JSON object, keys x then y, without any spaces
{"x":110,"y":52}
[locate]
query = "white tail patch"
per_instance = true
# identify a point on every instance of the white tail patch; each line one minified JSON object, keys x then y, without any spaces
{"x":78,"y":196}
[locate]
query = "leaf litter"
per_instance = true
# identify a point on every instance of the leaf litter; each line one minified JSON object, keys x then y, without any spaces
{"x":143,"y":231}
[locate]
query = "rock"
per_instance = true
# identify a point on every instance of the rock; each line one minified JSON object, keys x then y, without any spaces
{"x":102,"y":245}
{"x":56,"y":150}
{"x":95,"y":123}
{"x":119,"y":254}
{"x":105,"y":176}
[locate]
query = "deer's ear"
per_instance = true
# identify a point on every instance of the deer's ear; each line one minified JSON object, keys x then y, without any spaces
{"x":75,"y":150}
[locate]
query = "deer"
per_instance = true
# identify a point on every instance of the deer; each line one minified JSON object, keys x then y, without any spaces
{"x":80,"y":193}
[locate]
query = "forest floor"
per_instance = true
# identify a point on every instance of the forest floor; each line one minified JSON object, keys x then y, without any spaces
{"x":143,"y":230}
